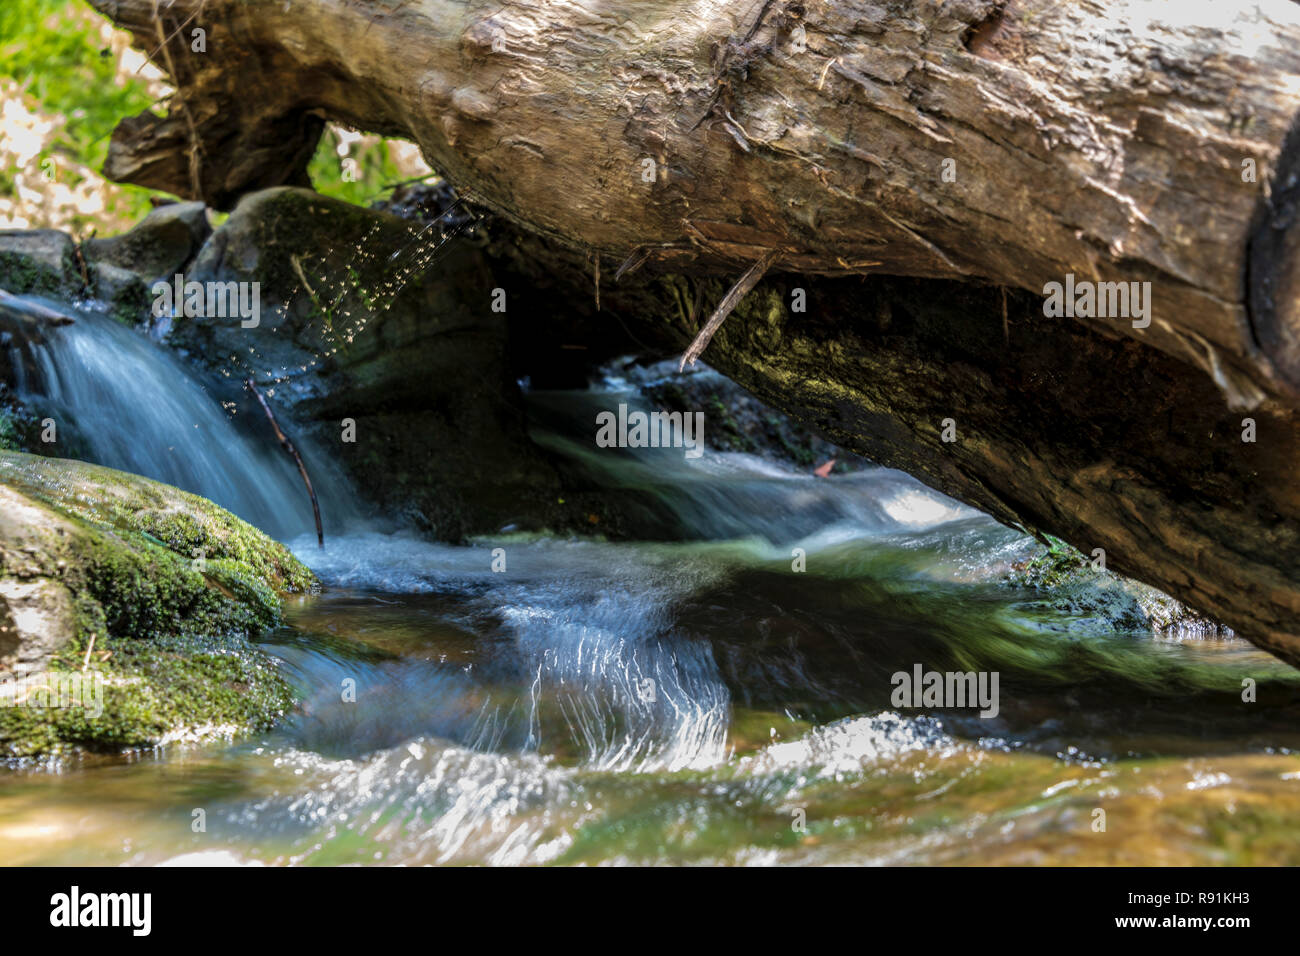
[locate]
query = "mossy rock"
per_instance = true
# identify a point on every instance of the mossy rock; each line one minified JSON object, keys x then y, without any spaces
{"x":151,"y":692}
{"x":191,"y":526}
{"x":158,"y":246}
{"x":1073,"y":585}
{"x":37,"y":262}
{"x":276,"y":236}
{"x":152,"y":592}
{"x":421,"y":368}
{"x":123,"y":293}
{"x":20,"y":427}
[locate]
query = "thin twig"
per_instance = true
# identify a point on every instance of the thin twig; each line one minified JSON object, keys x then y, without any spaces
{"x":297,"y":267}
{"x":729,"y":302}
{"x":293,"y":452}
{"x":632,"y":262}
{"x":149,"y":57}
{"x":386,"y":187}
{"x":81,"y":265}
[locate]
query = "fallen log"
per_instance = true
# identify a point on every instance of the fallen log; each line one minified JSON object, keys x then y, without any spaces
{"x":1102,"y":441}
{"x":1010,"y":141}
{"x":24,"y":320}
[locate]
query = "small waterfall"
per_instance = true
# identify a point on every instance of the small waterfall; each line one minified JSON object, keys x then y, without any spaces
{"x":120,"y":400}
{"x":726,"y":495}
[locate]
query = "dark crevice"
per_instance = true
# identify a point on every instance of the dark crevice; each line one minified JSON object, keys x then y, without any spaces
{"x":982,"y":38}
{"x":1271,"y":275}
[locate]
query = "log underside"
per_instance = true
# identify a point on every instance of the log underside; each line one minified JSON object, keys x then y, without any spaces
{"x":1104,"y":442}
{"x":1106,"y":140}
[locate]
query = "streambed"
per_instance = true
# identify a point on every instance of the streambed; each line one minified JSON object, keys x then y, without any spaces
{"x":505,"y":719}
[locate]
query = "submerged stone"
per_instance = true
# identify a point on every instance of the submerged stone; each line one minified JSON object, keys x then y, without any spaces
{"x":1072,"y":585}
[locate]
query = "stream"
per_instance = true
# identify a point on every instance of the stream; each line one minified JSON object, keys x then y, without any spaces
{"x":690,"y":701}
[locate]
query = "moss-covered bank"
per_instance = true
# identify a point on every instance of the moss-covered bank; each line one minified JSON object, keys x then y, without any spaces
{"x":151,"y":593}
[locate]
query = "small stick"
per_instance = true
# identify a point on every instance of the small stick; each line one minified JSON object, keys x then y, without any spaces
{"x":729,"y":302}
{"x":302,"y":276}
{"x":195,"y":149}
{"x":630,"y":264}
{"x":293,"y":452}
{"x":81,"y":264}
{"x":89,"y":647}
{"x":150,"y":57}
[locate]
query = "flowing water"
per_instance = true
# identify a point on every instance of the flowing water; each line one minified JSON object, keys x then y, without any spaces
{"x":117,"y":399}
{"x":700,"y":700}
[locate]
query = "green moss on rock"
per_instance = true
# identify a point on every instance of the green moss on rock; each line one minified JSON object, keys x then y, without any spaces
{"x":158,"y":246}
{"x":1072,"y":585}
{"x":124,"y":294}
{"x":181,"y":522}
{"x":153,"y":593}
{"x":21,"y":276}
{"x":37,"y":262}
{"x":152,"y":691}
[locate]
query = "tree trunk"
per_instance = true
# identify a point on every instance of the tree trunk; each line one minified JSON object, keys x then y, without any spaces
{"x":1014,"y":142}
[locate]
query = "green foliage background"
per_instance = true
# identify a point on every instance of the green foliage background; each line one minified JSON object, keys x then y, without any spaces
{"x":54,"y":50}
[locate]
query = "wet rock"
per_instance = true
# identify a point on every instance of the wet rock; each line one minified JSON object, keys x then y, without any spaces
{"x":149,"y":591}
{"x":37,"y":613}
{"x":379,"y":341}
{"x":430,"y":202}
{"x":737,"y":421}
{"x":37,"y":261}
{"x":122,"y":292}
{"x":118,"y":270}
{"x":158,"y":246}
{"x":1071,"y":584}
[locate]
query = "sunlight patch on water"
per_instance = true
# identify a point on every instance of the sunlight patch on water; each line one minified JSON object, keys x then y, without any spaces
{"x":921,"y":508}
{"x":852,"y":746}
{"x":422,"y":802}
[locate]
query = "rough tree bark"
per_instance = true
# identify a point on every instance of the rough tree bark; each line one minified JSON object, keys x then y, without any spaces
{"x":1103,"y":139}
{"x":1115,"y":140}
